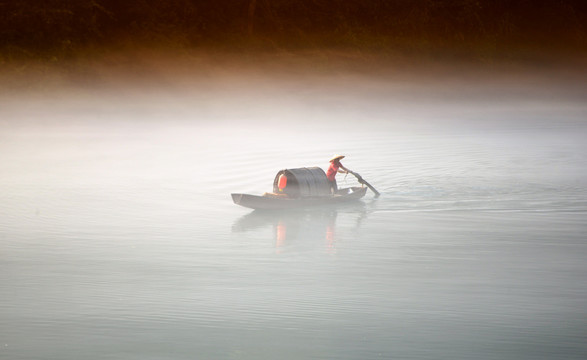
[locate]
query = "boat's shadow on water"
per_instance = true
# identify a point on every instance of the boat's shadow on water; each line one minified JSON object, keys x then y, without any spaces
{"x":321,"y":225}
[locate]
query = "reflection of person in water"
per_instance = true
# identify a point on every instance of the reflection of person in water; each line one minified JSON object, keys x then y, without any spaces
{"x":330,"y":234}
{"x":333,"y":169}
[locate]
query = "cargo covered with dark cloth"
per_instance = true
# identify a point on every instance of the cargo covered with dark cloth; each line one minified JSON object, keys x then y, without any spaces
{"x":302,"y":182}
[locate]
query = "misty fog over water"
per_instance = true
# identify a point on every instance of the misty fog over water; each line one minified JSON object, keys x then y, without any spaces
{"x":119,"y":239}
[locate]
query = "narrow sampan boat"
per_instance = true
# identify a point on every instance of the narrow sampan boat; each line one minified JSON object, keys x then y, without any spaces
{"x":297,"y":188}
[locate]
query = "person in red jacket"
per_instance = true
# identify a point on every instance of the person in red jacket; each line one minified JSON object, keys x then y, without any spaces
{"x":335,"y":167}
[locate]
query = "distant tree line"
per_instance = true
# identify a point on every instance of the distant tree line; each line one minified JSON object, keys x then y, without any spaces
{"x":66,"y":27}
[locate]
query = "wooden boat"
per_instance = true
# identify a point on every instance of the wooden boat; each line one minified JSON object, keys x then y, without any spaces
{"x":274,"y":201}
{"x":304,"y":187}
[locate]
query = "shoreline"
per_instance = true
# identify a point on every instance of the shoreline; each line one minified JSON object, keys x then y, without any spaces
{"x":154,"y":64}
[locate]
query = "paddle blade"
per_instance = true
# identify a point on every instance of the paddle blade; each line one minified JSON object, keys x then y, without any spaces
{"x":362,"y":181}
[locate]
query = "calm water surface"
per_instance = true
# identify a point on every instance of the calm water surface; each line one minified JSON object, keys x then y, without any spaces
{"x":119,"y":240}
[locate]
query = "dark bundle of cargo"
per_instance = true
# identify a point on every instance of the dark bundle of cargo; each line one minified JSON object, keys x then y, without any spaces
{"x":303,"y":182}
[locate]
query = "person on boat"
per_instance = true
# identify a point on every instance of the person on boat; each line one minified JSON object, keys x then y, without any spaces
{"x":334,"y":168}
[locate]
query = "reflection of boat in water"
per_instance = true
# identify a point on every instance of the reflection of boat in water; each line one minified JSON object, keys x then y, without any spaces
{"x":297,"y":188}
{"x":260,"y":219}
{"x":310,"y":227}
{"x":294,"y":226}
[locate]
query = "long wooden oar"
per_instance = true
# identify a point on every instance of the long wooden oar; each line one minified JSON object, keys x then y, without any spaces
{"x":362,"y":181}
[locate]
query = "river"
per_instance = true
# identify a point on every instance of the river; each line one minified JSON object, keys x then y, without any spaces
{"x":119,"y":239}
